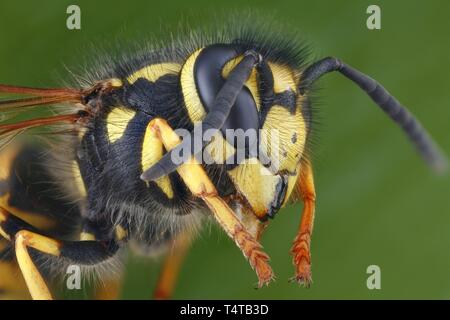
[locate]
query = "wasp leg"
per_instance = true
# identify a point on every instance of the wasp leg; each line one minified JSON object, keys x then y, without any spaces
{"x":301,"y":246}
{"x":12,"y":287}
{"x":109,"y":288}
{"x":198,"y":182}
{"x":171,"y":267}
{"x":34,"y":280}
{"x":77,"y":252}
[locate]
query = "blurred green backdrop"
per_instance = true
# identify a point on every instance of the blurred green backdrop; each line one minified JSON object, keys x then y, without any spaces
{"x":377,"y":202}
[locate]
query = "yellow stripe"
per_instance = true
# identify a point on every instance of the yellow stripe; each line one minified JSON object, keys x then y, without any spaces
{"x":291,"y":137}
{"x":117,"y":122}
{"x":155,"y":71}
{"x":192,"y":101}
{"x":284,"y":78}
{"x":152,"y":151}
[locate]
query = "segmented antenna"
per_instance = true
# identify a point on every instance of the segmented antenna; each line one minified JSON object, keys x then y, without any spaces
{"x":215,"y":118}
{"x":426,"y":147}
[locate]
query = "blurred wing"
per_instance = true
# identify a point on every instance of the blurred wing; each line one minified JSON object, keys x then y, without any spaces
{"x":39,"y":108}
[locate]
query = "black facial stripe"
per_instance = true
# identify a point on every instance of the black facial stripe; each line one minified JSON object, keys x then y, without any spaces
{"x":162,"y":98}
{"x":280,"y":194}
{"x":286,"y":99}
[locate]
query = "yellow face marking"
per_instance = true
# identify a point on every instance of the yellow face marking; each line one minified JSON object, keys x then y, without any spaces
{"x":284,"y":78}
{"x":152,"y":151}
{"x":192,"y":101}
{"x":251,"y":83}
{"x":256,"y":183}
{"x":284,"y":144}
{"x":78,"y":180}
{"x":117,"y":121}
{"x":155,"y":71}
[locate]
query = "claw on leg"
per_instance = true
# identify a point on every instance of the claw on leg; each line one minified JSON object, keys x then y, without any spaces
{"x":257,"y":258}
{"x":301,"y":246}
{"x":198,"y":182}
{"x":302,"y":260}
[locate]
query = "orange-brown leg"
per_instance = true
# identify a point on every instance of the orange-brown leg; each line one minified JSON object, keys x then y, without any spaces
{"x":198,"y":182}
{"x":301,"y":246}
{"x":171,"y":267}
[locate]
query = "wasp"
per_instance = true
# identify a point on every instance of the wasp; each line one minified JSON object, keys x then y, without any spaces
{"x":121,"y":160}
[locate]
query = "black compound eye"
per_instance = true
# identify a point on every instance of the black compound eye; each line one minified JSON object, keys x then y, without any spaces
{"x":209,"y":80}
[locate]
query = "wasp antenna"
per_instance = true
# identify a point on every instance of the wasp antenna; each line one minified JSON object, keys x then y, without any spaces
{"x":426,"y":147}
{"x":214,"y":120}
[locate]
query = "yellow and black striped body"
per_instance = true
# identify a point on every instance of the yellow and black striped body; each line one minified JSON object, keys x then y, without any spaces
{"x":180,"y":88}
{"x":123,"y":125}
{"x":112,"y":151}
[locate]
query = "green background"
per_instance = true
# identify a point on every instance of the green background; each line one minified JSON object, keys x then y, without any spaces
{"x":377,"y":203}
